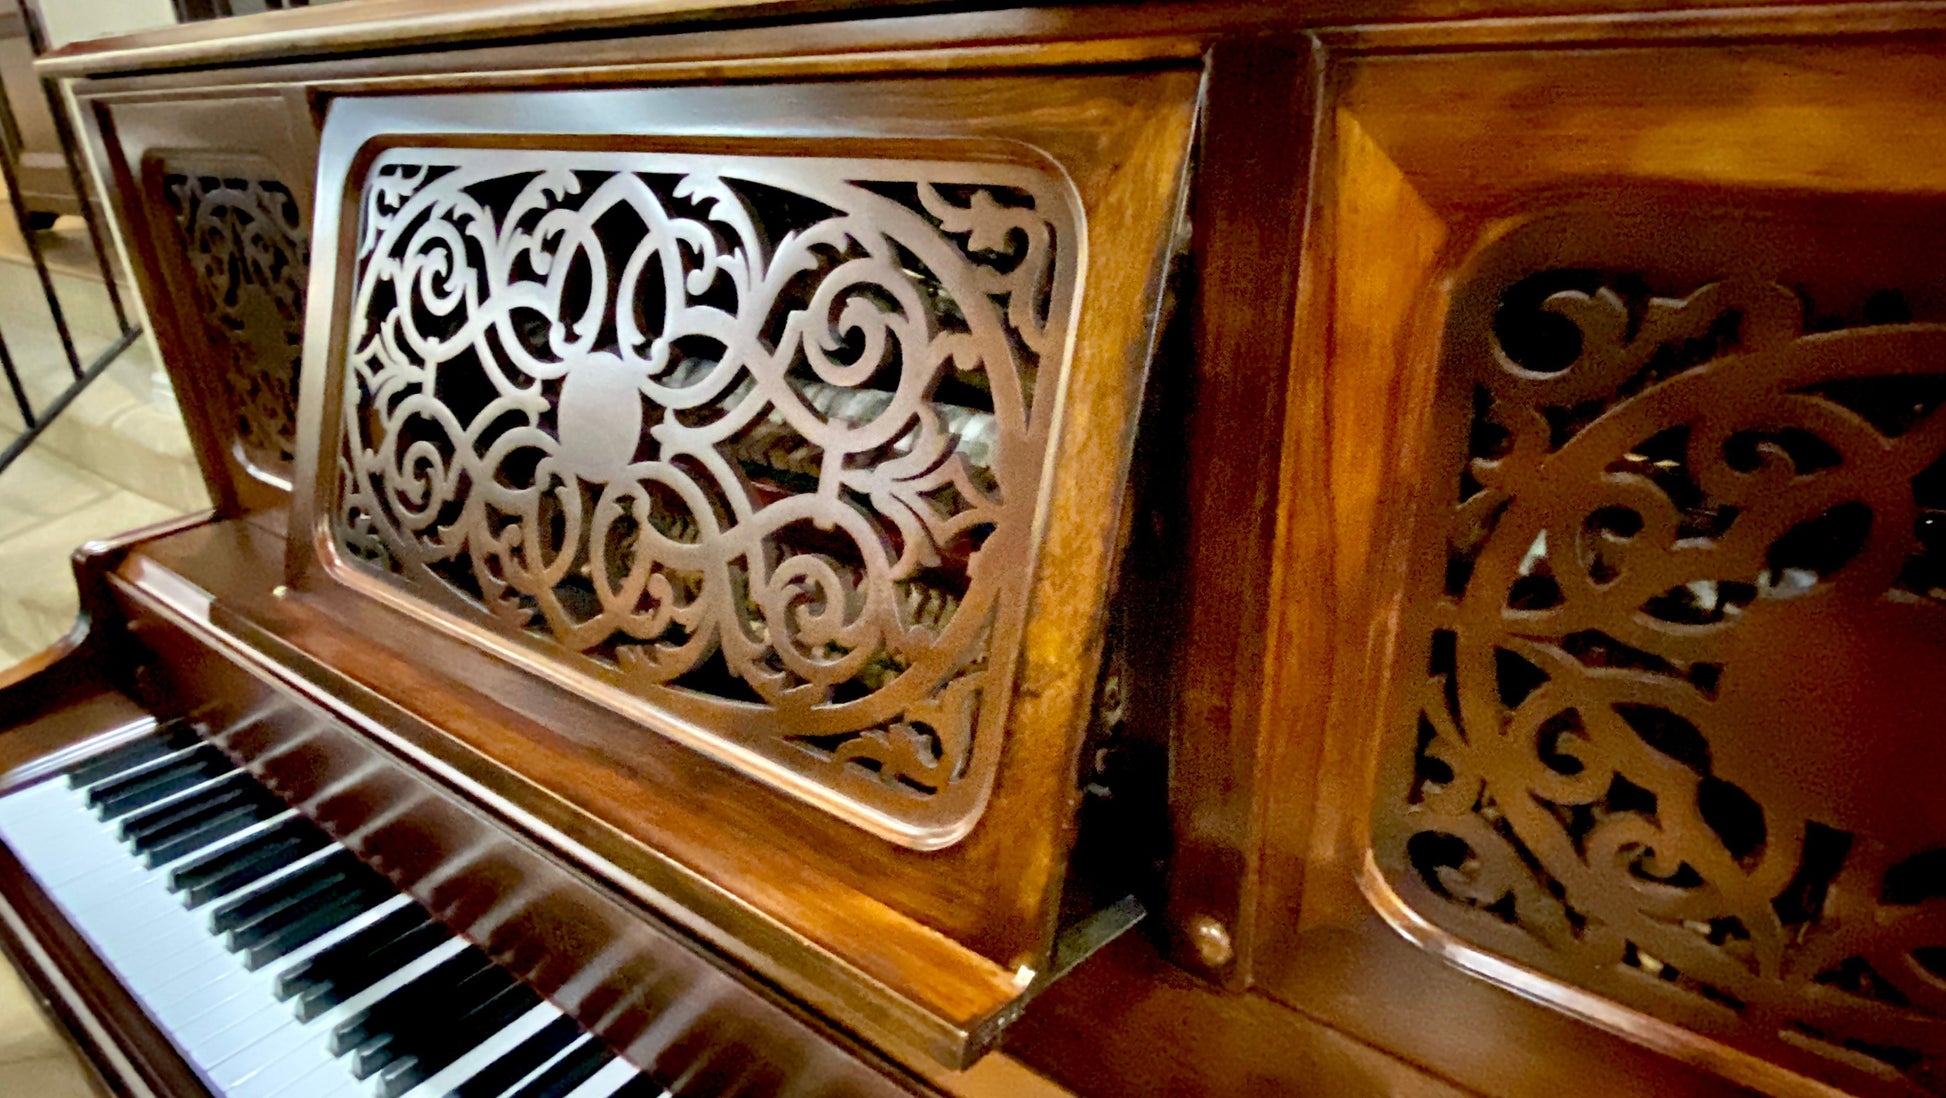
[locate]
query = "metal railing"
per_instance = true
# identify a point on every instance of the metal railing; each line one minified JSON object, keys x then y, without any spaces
{"x":36,"y":420}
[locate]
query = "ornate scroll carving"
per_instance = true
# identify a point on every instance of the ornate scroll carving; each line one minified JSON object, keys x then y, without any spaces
{"x":244,"y":238}
{"x":1675,"y":735}
{"x":758,"y":441}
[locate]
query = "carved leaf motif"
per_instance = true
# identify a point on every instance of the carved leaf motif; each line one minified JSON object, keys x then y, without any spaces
{"x":246,"y":246}
{"x":1673,"y":739}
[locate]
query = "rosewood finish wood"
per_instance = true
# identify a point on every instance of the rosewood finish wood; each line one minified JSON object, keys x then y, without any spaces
{"x":242,"y":234}
{"x":1689,"y":714}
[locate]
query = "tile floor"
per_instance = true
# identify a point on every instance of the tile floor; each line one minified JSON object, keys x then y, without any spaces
{"x":35,"y":1060}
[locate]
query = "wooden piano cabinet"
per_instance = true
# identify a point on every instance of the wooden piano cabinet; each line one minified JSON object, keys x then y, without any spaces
{"x":1607,"y":585}
{"x":1499,"y":480}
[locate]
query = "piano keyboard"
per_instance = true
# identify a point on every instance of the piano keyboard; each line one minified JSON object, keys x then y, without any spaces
{"x":277,"y":963}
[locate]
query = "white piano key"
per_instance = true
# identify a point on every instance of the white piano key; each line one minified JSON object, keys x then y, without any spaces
{"x":212,"y":1018}
{"x":294,"y":1060}
{"x":613,"y":1076}
{"x":307,"y":1071}
{"x":266,"y":1036}
{"x":244,"y":1050}
{"x":225,"y":1019}
{"x":193,"y":984}
{"x":52,"y":832}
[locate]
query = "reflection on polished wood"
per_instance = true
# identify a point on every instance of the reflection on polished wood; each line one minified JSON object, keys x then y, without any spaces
{"x":805,"y":520}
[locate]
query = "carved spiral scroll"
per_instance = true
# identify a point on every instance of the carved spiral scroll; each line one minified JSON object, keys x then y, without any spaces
{"x":757,"y":442}
{"x":1677,"y":733}
{"x":243,"y":235}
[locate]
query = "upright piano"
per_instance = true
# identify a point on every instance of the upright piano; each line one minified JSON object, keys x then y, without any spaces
{"x":819,"y":548}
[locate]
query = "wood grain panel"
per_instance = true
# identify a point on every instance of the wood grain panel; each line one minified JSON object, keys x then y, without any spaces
{"x":1594,"y":161}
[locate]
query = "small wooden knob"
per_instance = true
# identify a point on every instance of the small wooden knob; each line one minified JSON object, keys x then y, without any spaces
{"x":1211,"y":940}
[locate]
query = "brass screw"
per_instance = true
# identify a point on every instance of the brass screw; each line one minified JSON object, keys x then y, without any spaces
{"x":1212,"y":941}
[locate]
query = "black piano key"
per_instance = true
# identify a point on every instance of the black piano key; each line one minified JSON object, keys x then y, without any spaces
{"x":199,"y":819}
{"x":494,"y":1079}
{"x":149,"y":822}
{"x":270,"y":938}
{"x":401,"y":1075}
{"x":357,"y":887}
{"x":478,"y":1004}
{"x":364,"y":972}
{"x":145,"y":786}
{"x":273,"y":896}
{"x":223,"y":871}
{"x":436,"y":1044}
{"x":434,"y":990}
{"x":267,"y":946}
{"x":360,"y":973}
{"x":207,"y":833}
{"x":167,"y":740}
{"x":372,"y":1055}
{"x":569,"y":1072}
{"x":364,"y":943}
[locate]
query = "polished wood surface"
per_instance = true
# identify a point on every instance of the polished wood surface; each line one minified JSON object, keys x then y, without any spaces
{"x":336,"y":31}
{"x":1355,"y":886}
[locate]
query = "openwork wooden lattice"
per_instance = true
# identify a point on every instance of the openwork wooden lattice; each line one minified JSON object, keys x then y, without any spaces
{"x":757,"y":442}
{"x":244,"y":237}
{"x":1677,"y":733}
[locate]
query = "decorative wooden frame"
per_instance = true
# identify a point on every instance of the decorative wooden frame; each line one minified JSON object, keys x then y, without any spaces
{"x":994,"y":889}
{"x":1419,"y":239}
{"x":800,"y":507}
{"x":243,"y":236}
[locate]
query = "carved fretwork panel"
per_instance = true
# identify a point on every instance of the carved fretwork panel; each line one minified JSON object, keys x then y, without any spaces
{"x":244,"y":239}
{"x":1669,"y":720}
{"x":752,"y":446}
